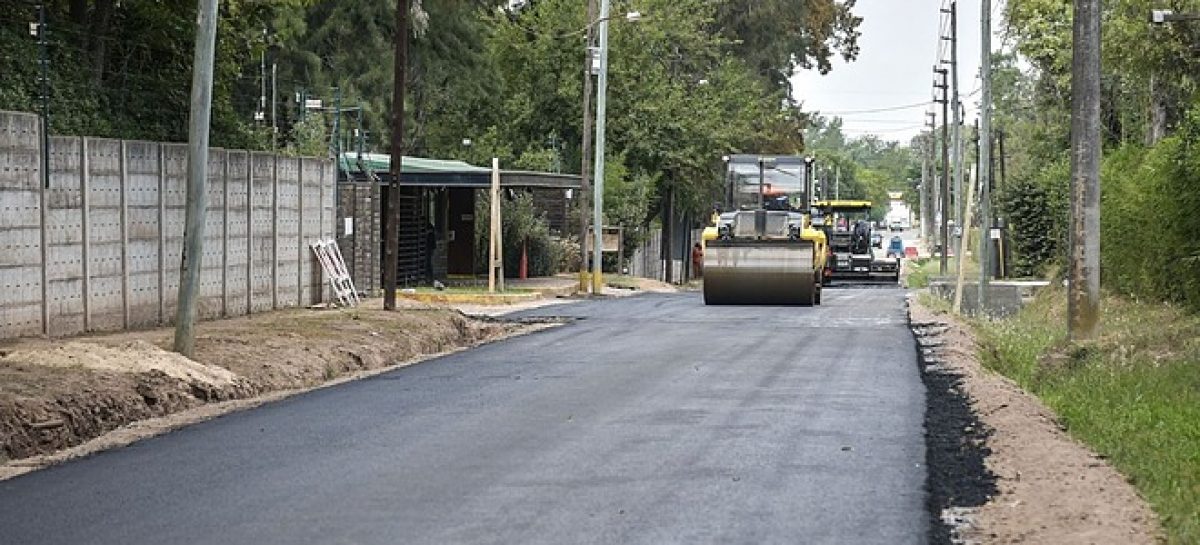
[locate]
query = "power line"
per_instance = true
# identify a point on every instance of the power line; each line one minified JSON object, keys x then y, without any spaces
{"x":879,"y":110}
{"x":884,"y":131}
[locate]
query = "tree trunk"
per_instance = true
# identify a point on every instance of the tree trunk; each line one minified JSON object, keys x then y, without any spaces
{"x":101,"y":18}
{"x":1158,"y":112}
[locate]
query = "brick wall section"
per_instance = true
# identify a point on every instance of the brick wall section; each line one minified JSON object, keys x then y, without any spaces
{"x":99,"y":250}
{"x":361,"y":249}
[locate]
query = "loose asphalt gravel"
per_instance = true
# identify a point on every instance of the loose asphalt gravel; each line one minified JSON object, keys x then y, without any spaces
{"x":650,"y":419}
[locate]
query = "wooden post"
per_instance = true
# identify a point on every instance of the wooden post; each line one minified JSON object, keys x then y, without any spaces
{"x":966,"y":235}
{"x":494,"y":234}
{"x":198,"y":123}
{"x":391,"y":243}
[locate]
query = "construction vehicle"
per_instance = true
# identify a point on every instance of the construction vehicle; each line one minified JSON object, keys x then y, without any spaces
{"x":764,"y":249}
{"x":847,"y":227}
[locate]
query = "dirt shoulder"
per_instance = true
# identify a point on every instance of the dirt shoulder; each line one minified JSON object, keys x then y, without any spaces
{"x":1002,"y":470}
{"x":64,"y":398}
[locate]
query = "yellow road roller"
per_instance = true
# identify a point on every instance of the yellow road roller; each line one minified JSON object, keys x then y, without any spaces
{"x":764,"y":251}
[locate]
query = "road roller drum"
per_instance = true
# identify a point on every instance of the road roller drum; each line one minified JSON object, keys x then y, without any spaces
{"x":760,"y":273}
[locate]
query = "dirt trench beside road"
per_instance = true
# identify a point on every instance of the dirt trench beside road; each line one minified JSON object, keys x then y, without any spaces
{"x":1001,"y":468}
{"x":56,"y":394}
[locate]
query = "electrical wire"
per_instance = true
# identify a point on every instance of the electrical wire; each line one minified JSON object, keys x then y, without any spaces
{"x":879,"y":110}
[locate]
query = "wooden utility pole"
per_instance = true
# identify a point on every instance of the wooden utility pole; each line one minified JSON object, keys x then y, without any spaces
{"x":945,"y":187}
{"x":1083,"y":290}
{"x":495,"y":233}
{"x":985,"y":154}
{"x":193,"y":234}
{"x":585,"y":169}
{"x":966,"y":233}
{"x":956,"y":134}
{"x":930,"y":224}
{"x":923,"y":206}
{"x":391,"y":237}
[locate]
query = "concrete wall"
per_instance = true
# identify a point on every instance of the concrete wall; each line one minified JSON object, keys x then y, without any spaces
{"x":99,"y":249}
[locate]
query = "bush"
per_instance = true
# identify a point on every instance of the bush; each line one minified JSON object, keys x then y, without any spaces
{"x":1149,"y":218}
{"x":1037,"y":211}
{"x":523,"y":226}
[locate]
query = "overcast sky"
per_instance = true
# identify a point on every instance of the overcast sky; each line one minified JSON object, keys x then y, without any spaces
{"x":899,"y":46}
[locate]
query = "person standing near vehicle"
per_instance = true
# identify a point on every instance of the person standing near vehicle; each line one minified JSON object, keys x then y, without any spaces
{"x":697,"y":260}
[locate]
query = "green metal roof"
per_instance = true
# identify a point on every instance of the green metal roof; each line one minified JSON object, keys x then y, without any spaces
{"x":381,"y":162}
{"x":421,"y":171}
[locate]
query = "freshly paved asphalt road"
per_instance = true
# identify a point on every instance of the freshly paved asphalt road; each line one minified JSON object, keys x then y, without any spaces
{"x":653,"y":419}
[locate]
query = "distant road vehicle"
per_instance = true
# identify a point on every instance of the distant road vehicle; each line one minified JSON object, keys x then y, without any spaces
{"x":895,"y":248}
{"x":877,"y":240}
{"x":895,"y":226}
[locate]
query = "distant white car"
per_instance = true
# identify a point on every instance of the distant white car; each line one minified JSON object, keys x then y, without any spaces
{"x":895,"y":226}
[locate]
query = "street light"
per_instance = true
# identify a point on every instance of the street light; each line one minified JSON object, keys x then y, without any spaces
{"x":598,"y":166}
{"x":1162,"y":16}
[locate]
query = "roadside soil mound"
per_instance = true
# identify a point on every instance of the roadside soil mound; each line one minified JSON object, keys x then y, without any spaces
{"x":1041,"y":485}
{"x":56,"y":394}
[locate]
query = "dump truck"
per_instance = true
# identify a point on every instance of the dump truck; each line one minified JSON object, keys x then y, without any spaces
{"x":764,"y":250}
{"x":847,"y":227}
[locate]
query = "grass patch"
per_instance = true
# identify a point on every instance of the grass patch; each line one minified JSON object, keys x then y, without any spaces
{"x":621,"y":281}
{"x":1133,"y":395}
{"x":920,"y":271}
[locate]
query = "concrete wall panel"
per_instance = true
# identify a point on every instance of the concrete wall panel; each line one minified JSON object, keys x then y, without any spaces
{"x":287,"y":232}
{"x":100,"y":247}
{"x":20,"y":226}
{"x":64,"y":238}
{"x":262,"y":231}
{"x":144,"y":232}
{"x":237,"y":248}
{"x":210,"y":302}
{"x":174,"y":202}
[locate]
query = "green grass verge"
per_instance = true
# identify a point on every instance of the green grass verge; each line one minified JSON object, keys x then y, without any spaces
{"x":920,"y":271}
{"x":1133,"y":396}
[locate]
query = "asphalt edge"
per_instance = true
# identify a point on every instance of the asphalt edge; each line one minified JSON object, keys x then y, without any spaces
{"x":957,"y":479}
{"x":139,"y":430}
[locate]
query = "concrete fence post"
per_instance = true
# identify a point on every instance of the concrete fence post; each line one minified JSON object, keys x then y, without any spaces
{"x":225,"y":235}
{"x":123,"y":183}
{"x":274,"y":231}
{"x":44,"y":204}
{"x":162,"y":235}
{"x":300,"y":247}
{"x":249,"y":232}
{"x":85,"y":238}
